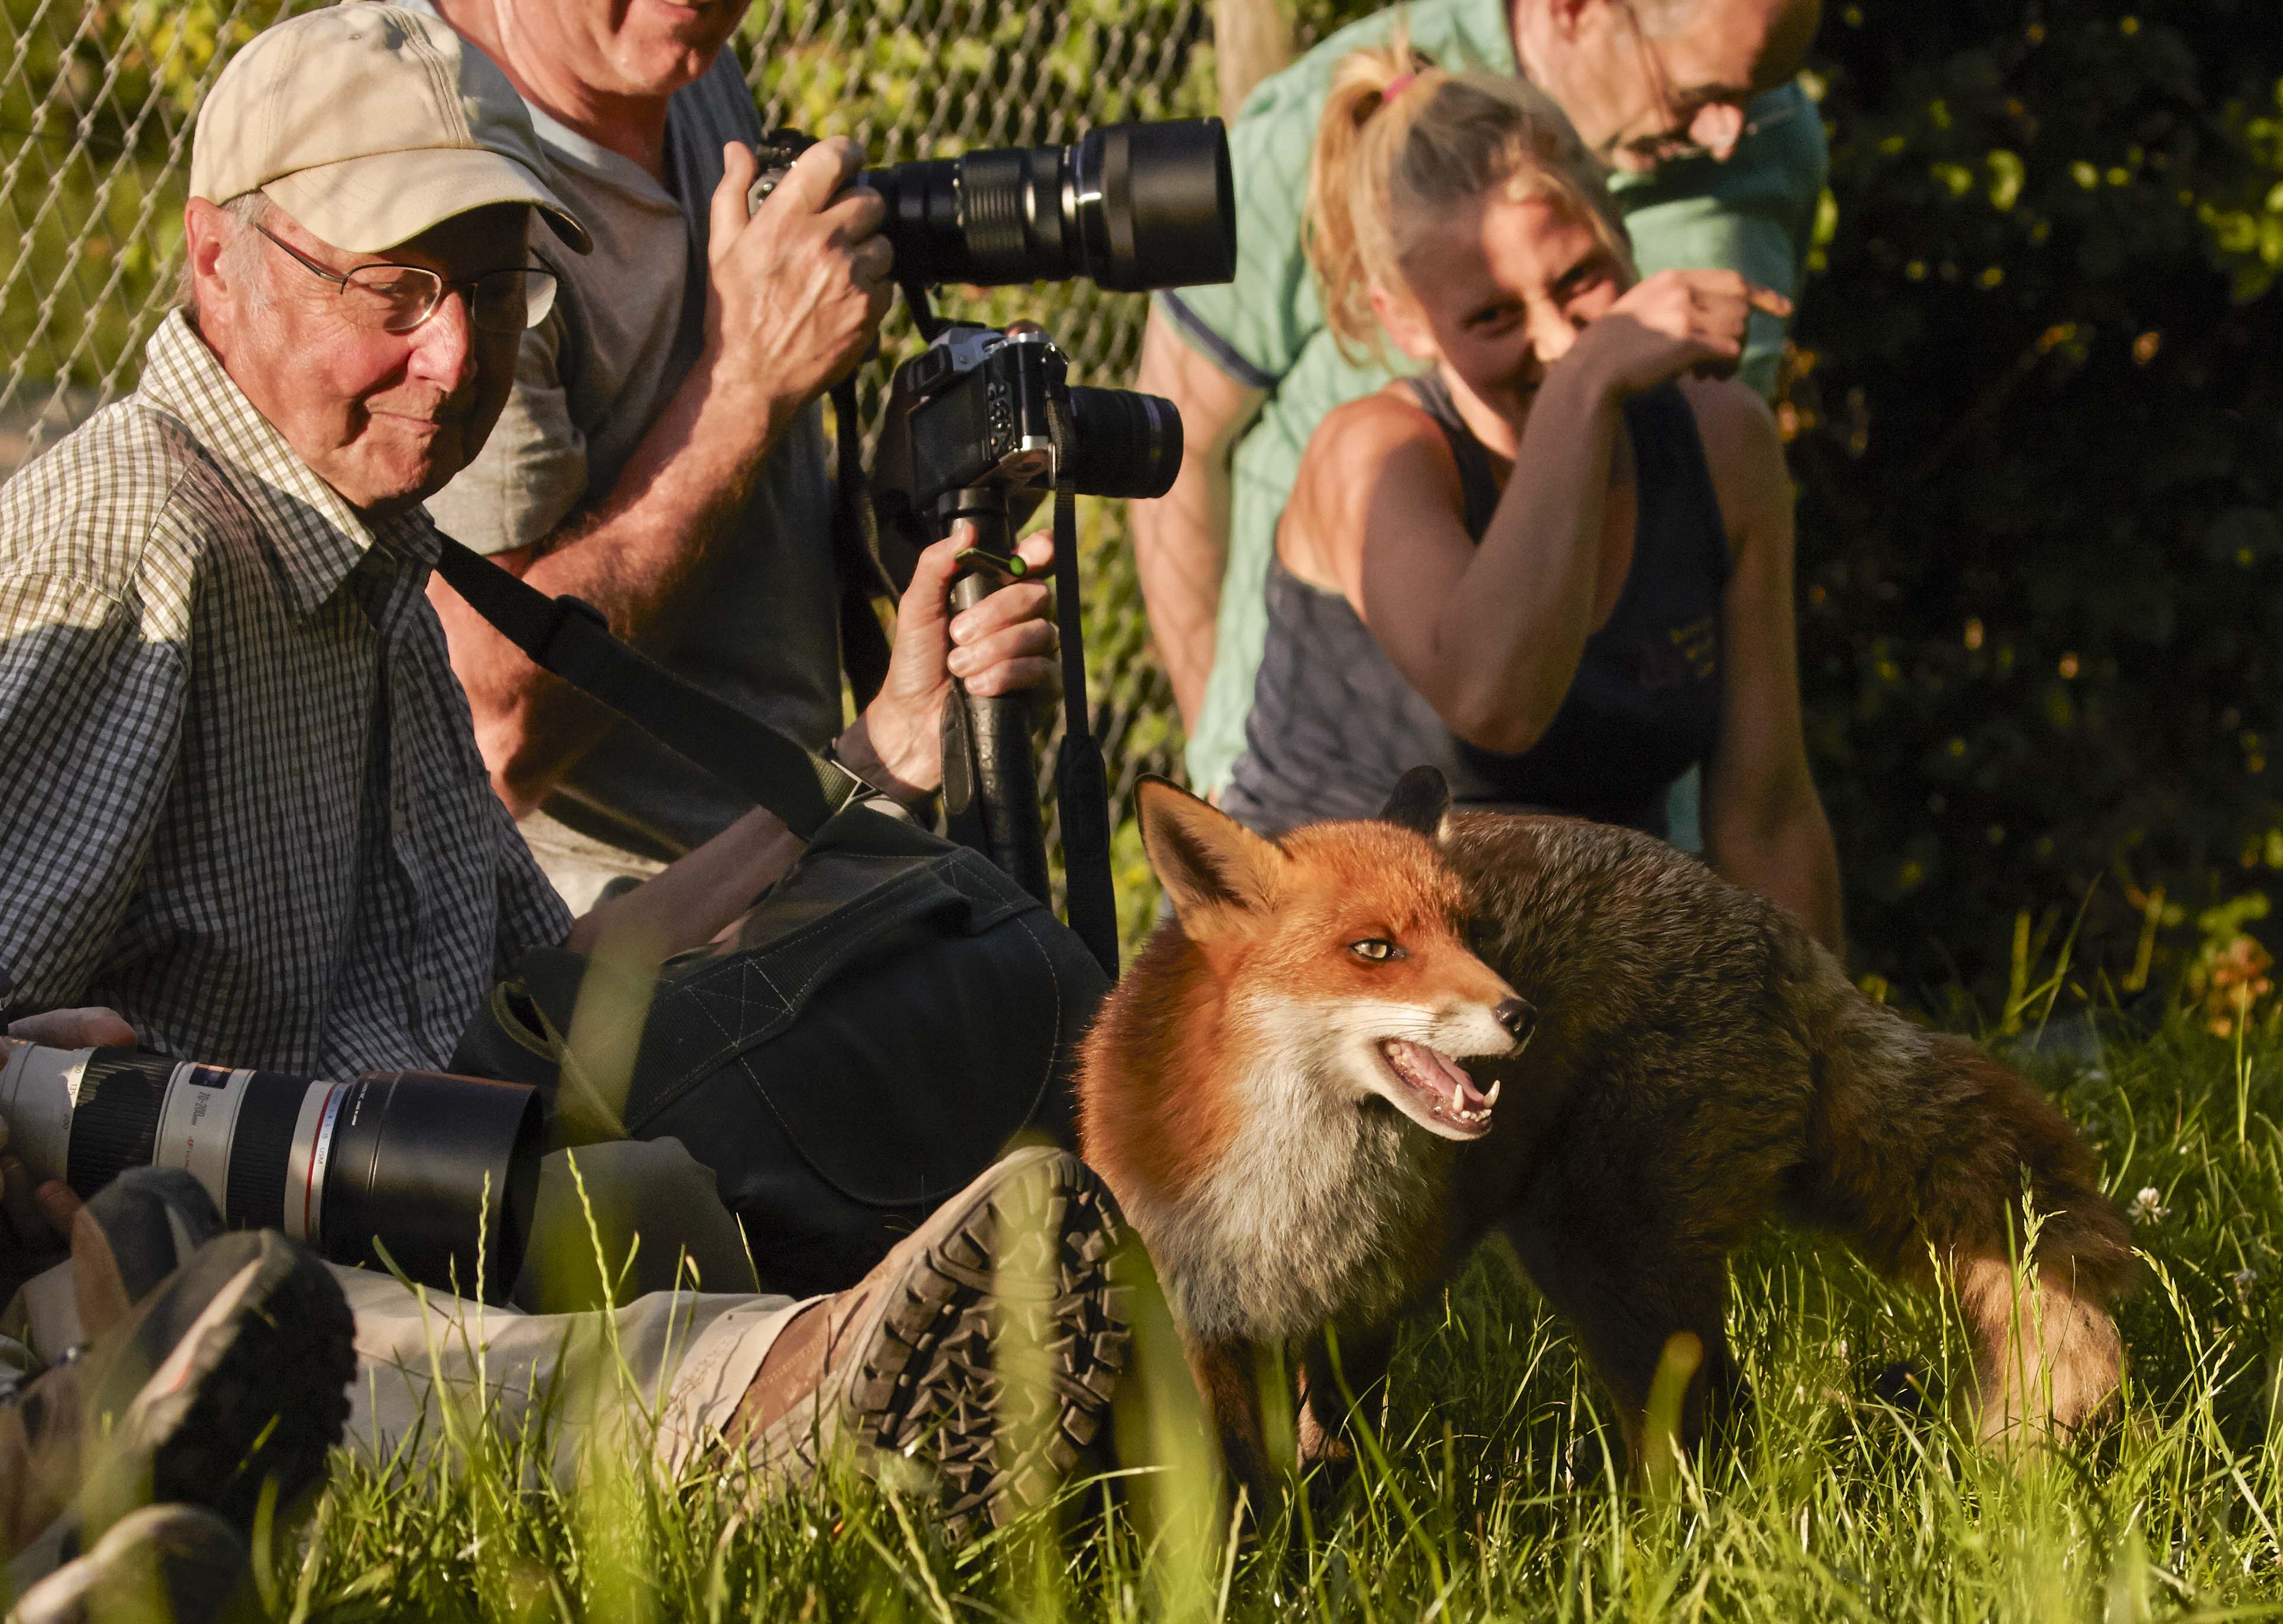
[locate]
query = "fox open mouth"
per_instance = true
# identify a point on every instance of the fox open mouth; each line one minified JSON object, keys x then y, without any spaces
{"x":1446,"y":1090}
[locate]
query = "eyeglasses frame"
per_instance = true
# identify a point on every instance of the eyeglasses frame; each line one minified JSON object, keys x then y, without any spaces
{"x":1680,"y":149}
{"x":445,"y":288}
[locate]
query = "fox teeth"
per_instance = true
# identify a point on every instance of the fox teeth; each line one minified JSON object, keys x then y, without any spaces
{"x":1491,"y":1099}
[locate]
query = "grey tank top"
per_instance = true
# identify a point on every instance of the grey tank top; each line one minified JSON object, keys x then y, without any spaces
{"x":1334,"y":723}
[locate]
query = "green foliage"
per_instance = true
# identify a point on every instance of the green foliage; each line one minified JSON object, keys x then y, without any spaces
{"x":1492,"y":1495}
{"x":95,"y":111}
{"x":2039,"y":432}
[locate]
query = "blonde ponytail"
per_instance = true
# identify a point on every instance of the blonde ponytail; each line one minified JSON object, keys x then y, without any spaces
{"x":1403,"y":142}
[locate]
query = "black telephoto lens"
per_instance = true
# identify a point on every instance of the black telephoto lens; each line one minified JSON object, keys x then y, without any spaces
{"x":1133,"y":207}
{"x":1122,"y":443}
{"x":422,"y":1165}
{"x":433,"y":1173}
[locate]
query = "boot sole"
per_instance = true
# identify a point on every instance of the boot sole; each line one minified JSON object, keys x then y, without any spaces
{"x":266,"y":1396}
{"x":996,"y":1362}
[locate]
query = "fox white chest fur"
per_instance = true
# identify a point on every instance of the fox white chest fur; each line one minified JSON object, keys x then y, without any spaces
{"x":1320,"y":1208}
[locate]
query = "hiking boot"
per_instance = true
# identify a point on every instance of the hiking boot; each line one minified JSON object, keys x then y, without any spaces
{"x":129,"y":1236}
{"x":233,"y":1372}
{"x":155,"y":1218}
{"x":986,"y":1345}
{"x":177,"y":1563}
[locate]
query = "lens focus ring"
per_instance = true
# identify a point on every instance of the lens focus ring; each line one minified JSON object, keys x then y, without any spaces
{"x":116,"y":1125}
{"x":258,"y":1162}
{"x":1010,"y":235}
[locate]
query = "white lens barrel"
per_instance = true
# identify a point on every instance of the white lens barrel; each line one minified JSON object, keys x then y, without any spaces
{"x":197,"y":1123}
{"x":311,"y":1154}
{"x":39,"y":1090}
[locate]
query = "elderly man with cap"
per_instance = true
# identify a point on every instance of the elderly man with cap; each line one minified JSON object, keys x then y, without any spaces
{"x":247,"y":812}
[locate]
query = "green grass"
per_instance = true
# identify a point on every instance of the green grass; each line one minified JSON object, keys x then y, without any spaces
{"x":1493,"y":1494}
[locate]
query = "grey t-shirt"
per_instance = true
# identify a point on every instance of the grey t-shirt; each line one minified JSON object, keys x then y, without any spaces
{"x":757,"y":623}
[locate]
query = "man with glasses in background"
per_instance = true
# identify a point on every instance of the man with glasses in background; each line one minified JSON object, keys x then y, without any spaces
{"x":1718,"y":160}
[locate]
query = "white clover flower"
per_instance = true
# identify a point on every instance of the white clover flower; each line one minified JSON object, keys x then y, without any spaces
{"x":2148,"y":1207}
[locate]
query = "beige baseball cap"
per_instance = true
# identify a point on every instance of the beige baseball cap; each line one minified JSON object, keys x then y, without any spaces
{"x":368,"y":124}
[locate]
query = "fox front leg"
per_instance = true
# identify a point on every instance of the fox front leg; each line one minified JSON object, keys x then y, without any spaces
{"x":1341,"y":1367}
{"x":1632,"y":1306}
{"x":1228,"y":1376}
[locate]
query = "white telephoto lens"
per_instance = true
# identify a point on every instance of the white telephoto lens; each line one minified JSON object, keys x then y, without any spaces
{"x":39,"y":1090}
{"x":197,"y":1123}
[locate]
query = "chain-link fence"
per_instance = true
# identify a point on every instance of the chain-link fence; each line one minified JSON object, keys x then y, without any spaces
{"x":98,"y":98}
{"x":946,"y":76}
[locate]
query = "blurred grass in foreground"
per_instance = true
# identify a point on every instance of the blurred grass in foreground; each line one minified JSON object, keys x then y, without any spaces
{"x":1848,"y":1499}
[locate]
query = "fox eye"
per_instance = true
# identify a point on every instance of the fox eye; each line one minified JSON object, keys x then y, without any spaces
{"x":1378,"y":950}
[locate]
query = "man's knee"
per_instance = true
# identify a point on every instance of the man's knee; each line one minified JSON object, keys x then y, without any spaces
{"x":615,"y":1220}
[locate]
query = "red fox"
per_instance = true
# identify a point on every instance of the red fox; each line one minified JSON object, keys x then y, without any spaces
{"x":1659,"y":1060}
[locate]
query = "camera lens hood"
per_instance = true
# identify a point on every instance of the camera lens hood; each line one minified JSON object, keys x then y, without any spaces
{"x":1155,"y":204}
{"x":418,"y":1165}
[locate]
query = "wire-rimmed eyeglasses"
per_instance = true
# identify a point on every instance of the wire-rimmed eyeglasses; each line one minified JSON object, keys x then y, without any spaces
{"x":397,"y":298}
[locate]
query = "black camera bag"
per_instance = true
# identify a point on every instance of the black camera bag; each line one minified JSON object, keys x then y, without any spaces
{"x":888,"y":1015}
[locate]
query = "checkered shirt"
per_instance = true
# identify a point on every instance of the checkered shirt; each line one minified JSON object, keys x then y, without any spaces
{"x":243,"y":805}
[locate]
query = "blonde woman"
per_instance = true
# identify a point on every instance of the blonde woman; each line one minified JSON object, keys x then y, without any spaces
{"x":1557,"y":563}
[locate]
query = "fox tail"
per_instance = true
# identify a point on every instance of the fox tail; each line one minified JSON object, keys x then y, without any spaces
{"x":1927,"y":1151}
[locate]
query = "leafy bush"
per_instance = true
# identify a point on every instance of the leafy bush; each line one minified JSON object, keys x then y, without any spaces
{"x":2038,"y":424}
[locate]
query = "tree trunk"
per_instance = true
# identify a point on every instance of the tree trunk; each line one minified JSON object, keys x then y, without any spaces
{"x":1251,"y":40}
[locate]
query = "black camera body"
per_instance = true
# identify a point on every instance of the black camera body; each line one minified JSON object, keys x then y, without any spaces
{"x":981,"y":425}
{"x":982,"y":419}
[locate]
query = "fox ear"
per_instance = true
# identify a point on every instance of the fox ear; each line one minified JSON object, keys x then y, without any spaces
{"x":1204,"y":858}
{"x":1420,"y":801}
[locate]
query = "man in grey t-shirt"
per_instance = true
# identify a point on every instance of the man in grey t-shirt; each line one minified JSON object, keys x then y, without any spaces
{"x":663,"y":455}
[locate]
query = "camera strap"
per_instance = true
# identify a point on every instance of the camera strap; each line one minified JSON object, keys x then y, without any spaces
{"x":1081,"y":778}
{"x":571,"y":638}
{"x":856,"y":563}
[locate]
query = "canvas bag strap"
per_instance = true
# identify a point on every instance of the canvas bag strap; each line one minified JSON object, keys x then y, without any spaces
{"x":570,"y":637}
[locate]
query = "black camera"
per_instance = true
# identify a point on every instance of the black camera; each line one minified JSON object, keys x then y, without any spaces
{"x":1130,"y":206}
{"x":407,"y":1167}
{"x":980,"y":424}
{"x":985,"y":415}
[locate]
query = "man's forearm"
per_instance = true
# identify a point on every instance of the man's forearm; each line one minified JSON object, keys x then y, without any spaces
{"x":628,"y":557}
{"x":1180,"y":540}
{"x":699,"y":894}
{"x":1181,"y":551}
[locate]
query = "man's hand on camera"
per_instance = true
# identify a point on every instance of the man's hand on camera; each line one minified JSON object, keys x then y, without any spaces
{"x":35,"y":1219}
{"x":75,"y":1029}
{"x":1004,"y":645}
{"x":795,"y":294}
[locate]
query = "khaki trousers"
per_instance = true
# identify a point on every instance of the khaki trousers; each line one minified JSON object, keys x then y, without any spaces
{"x":438,"y":1374}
